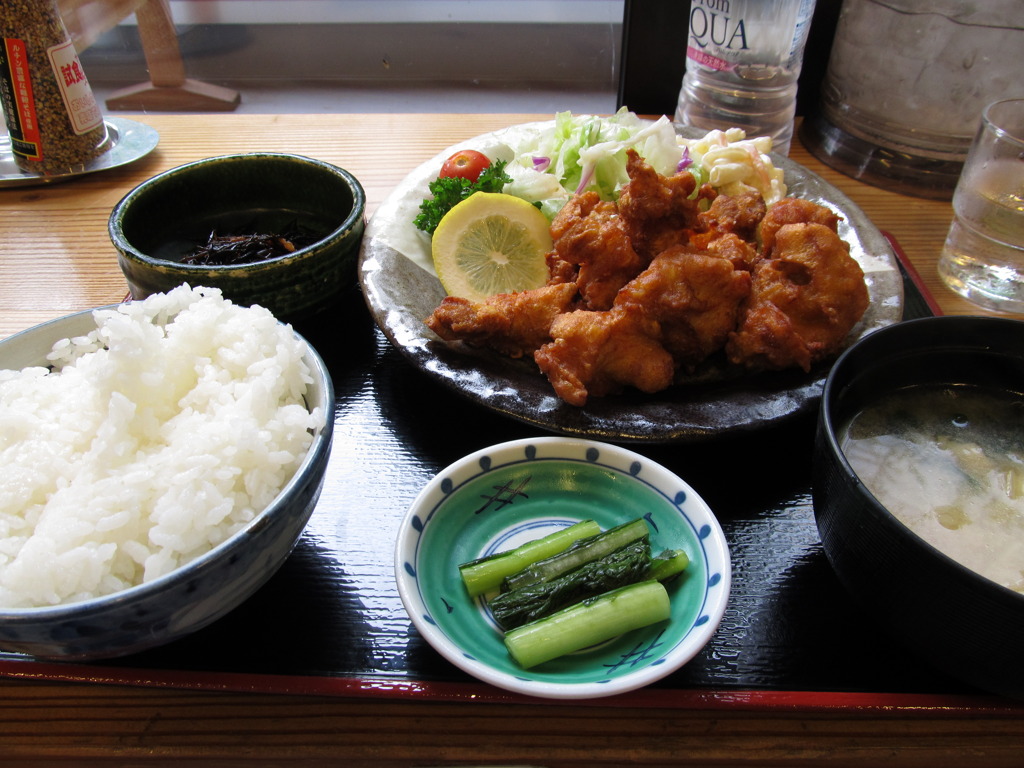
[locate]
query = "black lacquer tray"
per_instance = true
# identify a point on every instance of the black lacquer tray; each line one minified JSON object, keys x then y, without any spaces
{"x":331,"y":621}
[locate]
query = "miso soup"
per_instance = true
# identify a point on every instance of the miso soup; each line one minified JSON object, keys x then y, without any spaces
{"x":949,"y":463}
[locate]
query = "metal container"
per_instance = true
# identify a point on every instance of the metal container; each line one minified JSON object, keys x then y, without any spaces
{"x":906,"y":84}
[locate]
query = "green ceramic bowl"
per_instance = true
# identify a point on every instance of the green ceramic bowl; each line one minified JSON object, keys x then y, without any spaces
{"x":163,"y":218}
{"x":505,"y":495}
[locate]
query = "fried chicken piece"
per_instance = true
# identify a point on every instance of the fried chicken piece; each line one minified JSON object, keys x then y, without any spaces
{"x":657,"y":210}
{"x":592,"y":240}
{"x":560,"y":270}
{"x":729,"y":228}
{"x":738,"y":214}
{"x":793,"y":210}
{"x":577,"y":207}
{"x":693,"y":296}
{"x":804,"y":300}
{"x":741,"y":253}
{"x":601,"y":353}
{"x":514,"y":324}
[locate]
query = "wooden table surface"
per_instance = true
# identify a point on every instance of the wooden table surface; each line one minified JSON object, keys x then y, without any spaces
{"x":56,"y":258}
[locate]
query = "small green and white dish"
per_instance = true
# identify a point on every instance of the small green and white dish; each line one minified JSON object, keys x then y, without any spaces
{"x":500,"y":497}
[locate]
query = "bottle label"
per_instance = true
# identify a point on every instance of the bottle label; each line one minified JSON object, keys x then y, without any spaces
{"x":83,"y":111}
{"x":726,"y":34}
{"x":18,"y":100}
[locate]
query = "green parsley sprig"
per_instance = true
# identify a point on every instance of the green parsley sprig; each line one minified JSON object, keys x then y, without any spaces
{"x":448,"y":192}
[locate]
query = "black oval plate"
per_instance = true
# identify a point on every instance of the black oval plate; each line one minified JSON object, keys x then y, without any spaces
{"x":400,"y":293}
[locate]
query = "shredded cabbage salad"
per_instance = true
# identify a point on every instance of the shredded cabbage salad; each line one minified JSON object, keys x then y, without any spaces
{"x":585,"y":152}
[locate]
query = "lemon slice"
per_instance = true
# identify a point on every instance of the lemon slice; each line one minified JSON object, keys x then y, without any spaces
{"x":491,"y":243}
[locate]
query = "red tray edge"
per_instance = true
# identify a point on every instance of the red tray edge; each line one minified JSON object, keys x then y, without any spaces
{"x":913,"y":274}
{"x":710,"y":700}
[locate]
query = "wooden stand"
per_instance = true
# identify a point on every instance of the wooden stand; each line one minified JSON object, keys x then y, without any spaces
{"x":168,"y":89}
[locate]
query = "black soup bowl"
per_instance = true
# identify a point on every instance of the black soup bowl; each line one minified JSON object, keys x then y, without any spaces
{"x":942,"y":612}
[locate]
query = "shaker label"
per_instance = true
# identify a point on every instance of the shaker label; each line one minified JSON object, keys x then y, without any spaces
{"x":18,"y":101}
{"x":81,"y":105}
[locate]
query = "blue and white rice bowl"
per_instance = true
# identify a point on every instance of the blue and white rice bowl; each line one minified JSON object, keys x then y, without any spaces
{"x":195,"y":594}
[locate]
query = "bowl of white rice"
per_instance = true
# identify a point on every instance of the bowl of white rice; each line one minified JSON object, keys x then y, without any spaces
{"x":160,"y":460}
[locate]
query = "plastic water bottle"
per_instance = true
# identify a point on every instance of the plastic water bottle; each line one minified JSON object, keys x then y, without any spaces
{"x":743,"y":58}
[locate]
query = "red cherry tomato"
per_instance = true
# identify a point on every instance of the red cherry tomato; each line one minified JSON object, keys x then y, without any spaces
{"x":466,"y":163}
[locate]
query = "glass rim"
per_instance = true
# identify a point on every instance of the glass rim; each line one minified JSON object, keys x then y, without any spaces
{"x":997,"y":122}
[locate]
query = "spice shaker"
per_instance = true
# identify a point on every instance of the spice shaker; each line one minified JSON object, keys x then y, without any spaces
{"x":56,"y":126}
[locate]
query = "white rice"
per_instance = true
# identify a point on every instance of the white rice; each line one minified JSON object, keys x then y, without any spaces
{"x":152,"y":440}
